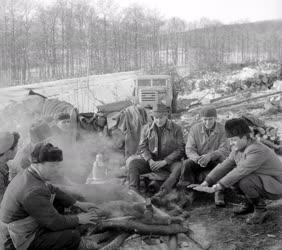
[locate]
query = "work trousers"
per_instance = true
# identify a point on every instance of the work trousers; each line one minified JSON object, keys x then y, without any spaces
{"x":252,"y":187}
{"x":68,"y":239}
{"x":193,"y":173}
{"x":139,"y":166}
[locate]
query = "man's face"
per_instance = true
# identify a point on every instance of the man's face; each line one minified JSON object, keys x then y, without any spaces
{"x":208,"y":122}
{"x":51,"y":169}
{"x":238,"y":143}
{"x":64,"y":124}
{"x":160,"y":119}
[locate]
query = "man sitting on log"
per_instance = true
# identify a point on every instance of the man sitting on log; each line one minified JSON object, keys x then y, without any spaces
{"x":252,"y":167}
{"x":206,"y":147}
{"x":161,"y":148}
{"x":29,"y":220}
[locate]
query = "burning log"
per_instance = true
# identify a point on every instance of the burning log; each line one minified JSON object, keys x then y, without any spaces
{"x":133,"y":226}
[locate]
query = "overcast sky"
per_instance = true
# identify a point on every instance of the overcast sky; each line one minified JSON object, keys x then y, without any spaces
{"x":224,"y":10}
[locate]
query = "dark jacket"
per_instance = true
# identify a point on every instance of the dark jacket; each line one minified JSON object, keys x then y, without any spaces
{"x":4,"y":179}
{"x":172,"y":143}
{"x":256,"y":159}
{"x":28,"y":195}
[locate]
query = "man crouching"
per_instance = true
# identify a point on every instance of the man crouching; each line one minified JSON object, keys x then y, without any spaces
{"x":252,"y":167}
{"x":29,"y":219}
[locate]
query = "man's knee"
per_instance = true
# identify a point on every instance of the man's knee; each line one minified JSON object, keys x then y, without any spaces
{"x":133,"y":164}
{"x":176,"y":167}
{"x":248,"y":182}
{"x":188,"y":163}
{"x":130,"y":159}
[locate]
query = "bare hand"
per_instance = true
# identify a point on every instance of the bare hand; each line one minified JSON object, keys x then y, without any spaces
{"x":204,"y":184}
{"x":156,"y":165}
{"x":87,"y":218}
{"x":204,"y":160}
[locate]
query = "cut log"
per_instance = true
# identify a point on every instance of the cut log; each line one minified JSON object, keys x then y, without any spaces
{"x":140,"y":228}
{"x":117,"y":242}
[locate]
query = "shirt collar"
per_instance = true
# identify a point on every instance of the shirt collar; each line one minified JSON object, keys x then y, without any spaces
{"x":167,"y":126}
{"x":215,"y":130}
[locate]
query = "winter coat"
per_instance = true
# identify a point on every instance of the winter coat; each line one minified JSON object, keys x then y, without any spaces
{"x":28,"y":195}
{"x":256,"y":159}
{"x":172,"y":143}
{"x":4,"y":179}
{"x":199,"y":143}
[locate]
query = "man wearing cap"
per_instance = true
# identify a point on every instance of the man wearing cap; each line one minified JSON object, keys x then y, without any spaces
{"x":8,"y":149}
{"x":39,"y":132}
{"x":29,"y":218}
{"x":252,"y":167}
{"x":206,"y":146}
{"x":161,"y":147}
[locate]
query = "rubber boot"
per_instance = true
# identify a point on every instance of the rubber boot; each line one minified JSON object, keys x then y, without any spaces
{"x":260,"y":213}
{"x":246,"y":208}
{"x":219,"y":199}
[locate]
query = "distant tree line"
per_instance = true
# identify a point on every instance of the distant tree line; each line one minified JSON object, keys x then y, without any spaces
{"x":71,"y":38}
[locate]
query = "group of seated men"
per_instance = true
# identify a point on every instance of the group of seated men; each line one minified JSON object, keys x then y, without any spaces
{"x":216,"y":156}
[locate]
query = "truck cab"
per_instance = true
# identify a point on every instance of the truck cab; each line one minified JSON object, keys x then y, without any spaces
{"x":152,"y":89}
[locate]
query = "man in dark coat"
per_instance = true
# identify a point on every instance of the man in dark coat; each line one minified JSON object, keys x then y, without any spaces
{"x":252,"y":167}
{"x":161,"y":147}
{"x":8,"y":149}
{"x":29,"y":220}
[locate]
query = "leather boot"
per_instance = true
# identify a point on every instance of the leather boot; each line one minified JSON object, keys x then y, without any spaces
{"x":260,"y":213}
{"x":246,"y":208}
{"x":219,"y":199}
{"x":86,"y":243}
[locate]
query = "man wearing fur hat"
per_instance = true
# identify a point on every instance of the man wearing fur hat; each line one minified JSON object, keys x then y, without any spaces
{"x":206,"y":146}
{"x":161,"y":148}
{"x":29,"y":219}
{"x":8,"y":149}
{"x":252,"y":167}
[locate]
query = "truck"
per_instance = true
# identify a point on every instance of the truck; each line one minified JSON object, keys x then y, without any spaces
{"x":152,"y":89}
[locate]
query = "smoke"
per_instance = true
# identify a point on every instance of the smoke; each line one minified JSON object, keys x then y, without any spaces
{"x":79,"y":154}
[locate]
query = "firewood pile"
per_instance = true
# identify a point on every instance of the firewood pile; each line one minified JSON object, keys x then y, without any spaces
{"x":134,"y":216}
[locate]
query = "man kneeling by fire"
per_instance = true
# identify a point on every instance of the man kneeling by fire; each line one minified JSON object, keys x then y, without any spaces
{"x":29,"y":215}
{"x":253,"y":168}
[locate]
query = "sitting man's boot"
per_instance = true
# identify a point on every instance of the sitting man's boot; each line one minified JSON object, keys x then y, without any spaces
{"x":157,"y":199}
{"x":187,"y":198}
{"x":219,"y":199}
{"x":86,"y":243}
{"x":247,"y":208}
{"x":260,"y":213}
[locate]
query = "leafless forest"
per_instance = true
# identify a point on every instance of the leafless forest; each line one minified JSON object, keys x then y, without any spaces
{"x":76,"y":38}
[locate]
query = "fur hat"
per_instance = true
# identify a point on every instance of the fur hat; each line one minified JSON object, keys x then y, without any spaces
{"x":236,"y":127}
{"x":46,"y":153}
{"x":62,"y":116}
{"x":208,"y":111}
{"x":160,"y":108}
{"x":39,"y":131}
{"x":8,"y":140}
